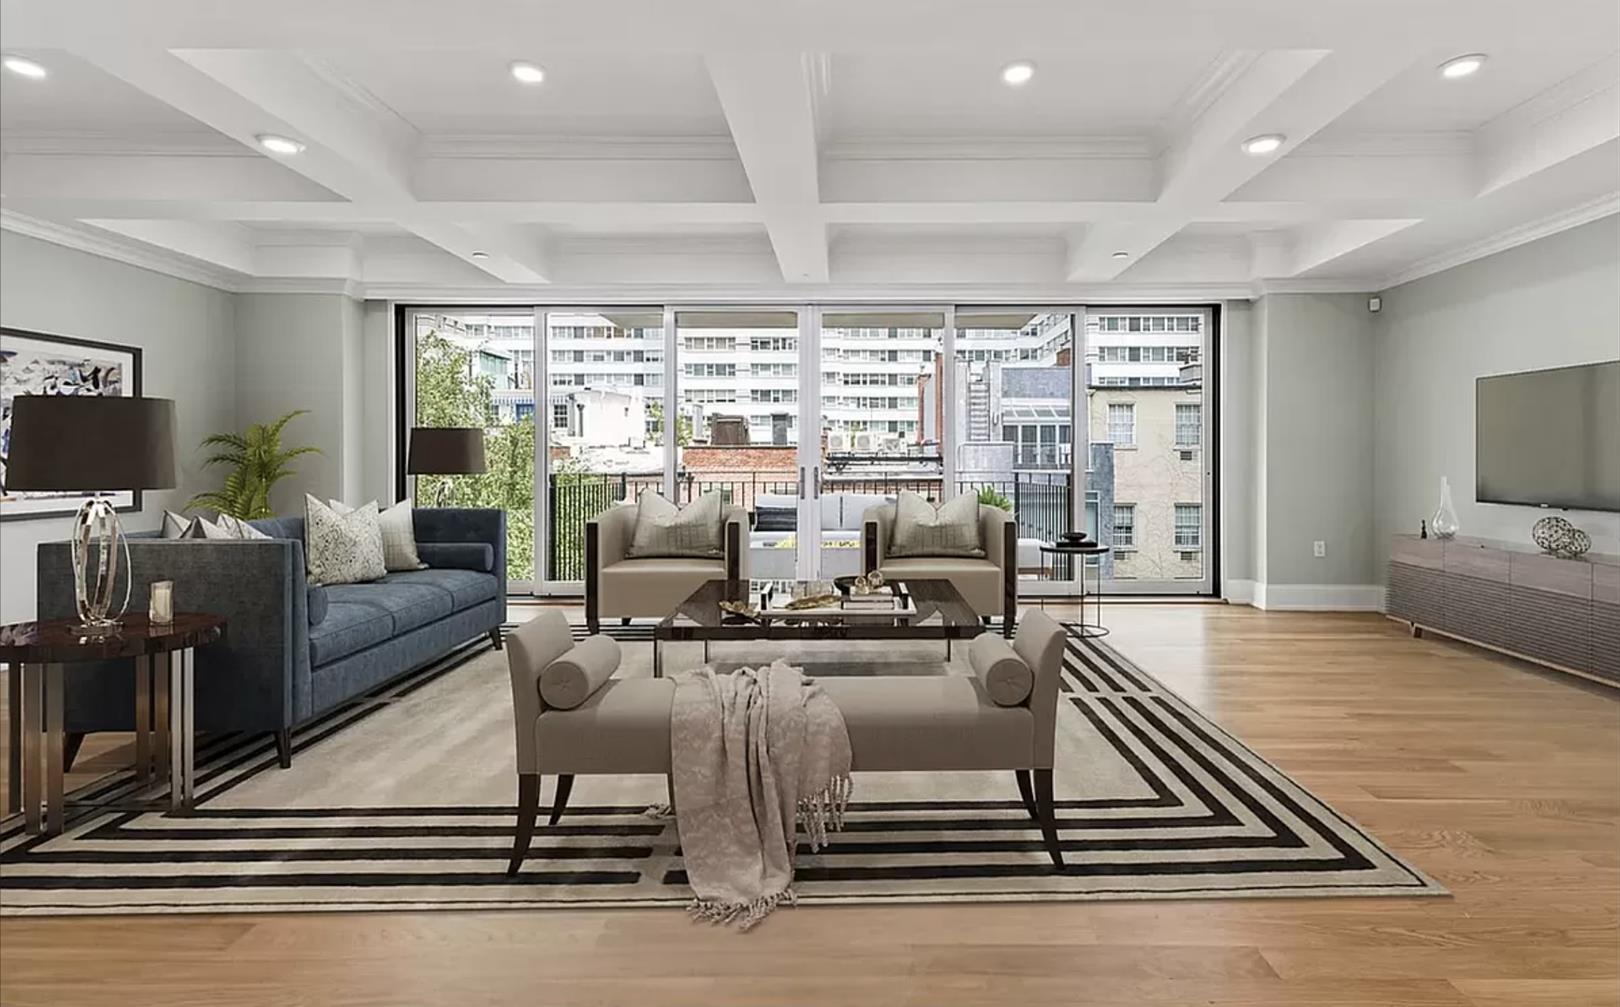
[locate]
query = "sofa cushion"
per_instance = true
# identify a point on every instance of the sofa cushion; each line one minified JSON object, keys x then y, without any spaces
{"x":464,"y":588}
{"x":935,"y":722}
{"x":476,"y":556}
{"x":623,"y":727}
{"x":349,"y":626}
{"x":410,"y":605}
{"x":776,"y":519}
{"x":855,"y":506}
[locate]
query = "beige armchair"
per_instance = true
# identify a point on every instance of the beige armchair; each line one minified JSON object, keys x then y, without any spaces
{"x":989,"y":585}
{"x":650,"y":588}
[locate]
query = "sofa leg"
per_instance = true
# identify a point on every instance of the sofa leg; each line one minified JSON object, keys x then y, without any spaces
{"x":71,"y":743}
{"x":284,"y":747}
{"x":624,"y":620}
{"x":528,"y":807}
{"x":565,"y":785}
{"x":1046,"y":814}
{"x":1008,"y":625}
{"x":593,"y":626}
{"x":495,"y":638}
{"x":1027,"y":793}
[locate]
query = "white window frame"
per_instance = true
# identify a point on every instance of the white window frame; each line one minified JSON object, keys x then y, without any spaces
{"x":1129,"y":408}
{"x":1176,"y":528}
{"x":1125,"y":542}
{"x":1197,"y":427}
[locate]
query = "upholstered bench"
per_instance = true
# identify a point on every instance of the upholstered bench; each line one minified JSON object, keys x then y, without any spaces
{"x":572,"y":716}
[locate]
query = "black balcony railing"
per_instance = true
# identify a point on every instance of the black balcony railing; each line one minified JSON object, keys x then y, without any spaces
{"x":1040,"y":501}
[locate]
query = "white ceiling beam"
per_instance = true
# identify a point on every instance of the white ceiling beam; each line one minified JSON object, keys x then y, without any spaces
{"x":766,"y":97}
{"x":1317,"y":245}
{"x":1292,"y":92}
{"x":229,"y":246}
{"x":1568,"y":119}
{"x":245,"y":93}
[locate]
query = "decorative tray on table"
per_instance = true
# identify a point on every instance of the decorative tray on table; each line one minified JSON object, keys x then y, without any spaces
{"x":813,"y":601}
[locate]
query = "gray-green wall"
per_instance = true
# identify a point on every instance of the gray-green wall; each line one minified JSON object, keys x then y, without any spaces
{"x":1548,"y":303}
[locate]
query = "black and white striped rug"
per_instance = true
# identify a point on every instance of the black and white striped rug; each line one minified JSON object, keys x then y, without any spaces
{"x":405,"y":800}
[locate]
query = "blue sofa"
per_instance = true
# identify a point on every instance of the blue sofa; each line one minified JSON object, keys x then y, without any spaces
{"x":292,"y":652}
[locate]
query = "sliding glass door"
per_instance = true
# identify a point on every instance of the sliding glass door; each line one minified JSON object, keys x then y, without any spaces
{"x":807,"y":416}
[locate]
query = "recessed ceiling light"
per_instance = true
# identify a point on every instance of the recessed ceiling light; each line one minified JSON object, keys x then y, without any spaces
{"x":1122,"y":255}
{"x":480,"y":255}
{"x":528,"y":73}
{"x":1264,"y":144}
{"x":1018,"y":74}
{"x":1462,"y":66}
{"x":25,"y":67}
{"x":279,"y":144}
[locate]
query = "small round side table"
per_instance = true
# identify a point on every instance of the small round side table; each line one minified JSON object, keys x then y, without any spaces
{"x":1057,"y":551}
{"x":164,"y":658}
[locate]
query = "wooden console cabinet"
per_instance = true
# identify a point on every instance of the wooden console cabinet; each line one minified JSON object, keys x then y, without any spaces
{"x":1564,"y":613}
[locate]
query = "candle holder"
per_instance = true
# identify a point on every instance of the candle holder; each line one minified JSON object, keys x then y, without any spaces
{"x":161,"y":609}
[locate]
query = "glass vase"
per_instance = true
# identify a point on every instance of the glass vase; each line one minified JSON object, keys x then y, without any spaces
{"x":1444,"y":523}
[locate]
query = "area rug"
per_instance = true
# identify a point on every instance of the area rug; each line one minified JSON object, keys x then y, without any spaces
{"x":406,"y":800}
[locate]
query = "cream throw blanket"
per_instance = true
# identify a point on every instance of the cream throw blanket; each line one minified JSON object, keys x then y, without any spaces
{"x":753,"y":751}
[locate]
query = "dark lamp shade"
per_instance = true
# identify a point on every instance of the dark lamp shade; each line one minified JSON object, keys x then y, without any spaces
{"x":445,"y":451}
{"x":90,"y":443}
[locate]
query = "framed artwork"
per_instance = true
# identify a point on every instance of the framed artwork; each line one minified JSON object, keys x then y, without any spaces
{"x":35,"y":363}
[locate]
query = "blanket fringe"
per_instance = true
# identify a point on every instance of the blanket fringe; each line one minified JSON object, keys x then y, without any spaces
{"x":746,"y":915}
{"x":823,"y":811}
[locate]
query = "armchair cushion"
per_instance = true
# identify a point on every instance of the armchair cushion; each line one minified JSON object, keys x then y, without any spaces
{"x":570,"y":679}
{"x":1007,"y":680}
{"x":665,"y":530}
{"x":951,"y":529}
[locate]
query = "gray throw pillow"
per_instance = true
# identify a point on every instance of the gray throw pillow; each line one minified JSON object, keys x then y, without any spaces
{"x":342,"y":548}
{"x":663,"y":529}
{"x":176,"y":526}
{"x":921,"y":529}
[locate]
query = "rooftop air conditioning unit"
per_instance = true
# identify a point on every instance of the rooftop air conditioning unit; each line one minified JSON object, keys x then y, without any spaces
{"x":864,"y":442}
{"x":1186,"y":455}
{"x":837,"y":440}
{"x":1188,"y":557}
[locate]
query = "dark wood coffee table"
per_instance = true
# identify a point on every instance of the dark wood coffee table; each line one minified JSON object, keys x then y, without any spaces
{"x":941,"y":614}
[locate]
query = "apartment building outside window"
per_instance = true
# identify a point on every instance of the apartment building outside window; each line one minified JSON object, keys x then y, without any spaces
{"x":1122,"y":423}
{"x":1189,"y":424}
{"x":1124,"y":526}
{"x":1189,"y":525}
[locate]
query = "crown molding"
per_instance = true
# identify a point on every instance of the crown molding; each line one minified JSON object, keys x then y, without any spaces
{"x":989,"y":148}
{"x":1309,"y":285}
{"x":1547,"y":226}
{"x":895,"y":294}
{"x":536,"y":147}
{"x":347,"y":286}
{"x":98,"y":242}
{"x":101,"y":143}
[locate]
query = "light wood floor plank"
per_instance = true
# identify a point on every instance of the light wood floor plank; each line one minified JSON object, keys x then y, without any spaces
{"x":1500,"y":781}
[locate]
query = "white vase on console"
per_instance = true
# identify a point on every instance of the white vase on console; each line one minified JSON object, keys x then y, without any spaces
{"x":1444,"y":523}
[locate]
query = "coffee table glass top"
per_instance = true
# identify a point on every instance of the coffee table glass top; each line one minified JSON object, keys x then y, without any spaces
{"x":940,"y":613}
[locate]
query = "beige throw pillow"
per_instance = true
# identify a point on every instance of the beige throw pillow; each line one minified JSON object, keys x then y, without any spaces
{"x":342,"y":548}
{"x":921,"y":529}
{"x":663,"y":529}
{"x":398,"y":525}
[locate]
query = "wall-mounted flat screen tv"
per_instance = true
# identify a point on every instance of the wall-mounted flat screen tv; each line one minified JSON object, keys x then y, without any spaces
{"x":1550,"y":438}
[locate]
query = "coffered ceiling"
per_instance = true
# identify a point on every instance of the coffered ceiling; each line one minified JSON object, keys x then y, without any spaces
{"x":788,"y":148}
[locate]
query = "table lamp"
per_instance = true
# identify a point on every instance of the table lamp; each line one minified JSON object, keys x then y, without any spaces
{"x":445,"y":451}
{"x":93,"y":444}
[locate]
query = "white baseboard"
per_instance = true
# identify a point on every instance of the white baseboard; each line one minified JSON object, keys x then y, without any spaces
{"x":1319,"y":597}
{"x":1240,"y":592}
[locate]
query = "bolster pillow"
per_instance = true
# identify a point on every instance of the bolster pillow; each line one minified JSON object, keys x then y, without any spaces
{"x":478,"y":556}
{"x":318,"y":601}
{"x":570,"y":680}
{"x":1007,"y":679}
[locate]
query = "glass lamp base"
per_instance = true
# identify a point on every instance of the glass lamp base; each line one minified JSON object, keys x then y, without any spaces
{"x":97,"y":546}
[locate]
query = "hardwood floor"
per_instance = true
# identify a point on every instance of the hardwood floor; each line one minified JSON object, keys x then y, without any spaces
{"x":1500,"y":781}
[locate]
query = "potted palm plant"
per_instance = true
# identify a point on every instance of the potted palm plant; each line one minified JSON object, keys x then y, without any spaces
{"x":258,"y":461}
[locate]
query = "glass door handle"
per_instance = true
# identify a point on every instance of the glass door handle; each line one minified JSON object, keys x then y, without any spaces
{"x":801,"y":483}
{"x":816,"y":482}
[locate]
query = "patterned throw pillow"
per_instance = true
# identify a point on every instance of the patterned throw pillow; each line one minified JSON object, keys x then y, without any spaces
{"x":342,"y":548}
{"x":398,"y":525}
{"x":921,"y":529}
{"x":663,"y":529}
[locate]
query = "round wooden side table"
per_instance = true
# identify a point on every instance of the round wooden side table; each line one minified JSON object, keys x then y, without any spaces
{"x":163,"y":656}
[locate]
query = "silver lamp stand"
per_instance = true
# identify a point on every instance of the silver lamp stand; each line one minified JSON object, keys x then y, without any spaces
{"x":97,"y":544}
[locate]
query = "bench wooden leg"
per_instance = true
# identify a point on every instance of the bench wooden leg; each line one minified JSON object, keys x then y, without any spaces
{"x":1046,"y":814}
{"x":1028,"y":794}
{"x":528,"y":807}
{"x":565,"y":784}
